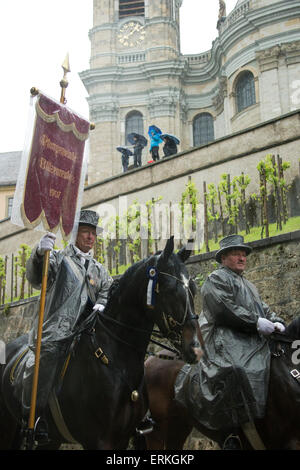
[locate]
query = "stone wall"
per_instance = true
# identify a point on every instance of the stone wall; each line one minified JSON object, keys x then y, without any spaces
{"x":16,"y":318}
{"x":274,"y":268}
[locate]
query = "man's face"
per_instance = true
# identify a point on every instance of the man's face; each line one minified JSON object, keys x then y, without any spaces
{"x":86,"y":237}
{"x":235,"y":260}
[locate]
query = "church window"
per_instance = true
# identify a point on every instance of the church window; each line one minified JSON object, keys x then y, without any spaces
{"x":10,"y":201}
{"x":245,"y":91}
{"x":203,"y":129}
{"x":134,"y":123}
{"x":131,"y":8}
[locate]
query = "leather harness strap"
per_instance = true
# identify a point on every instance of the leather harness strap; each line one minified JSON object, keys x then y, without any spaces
{"x":59,"y":420}
{"x":16,"y":363}
{"x":252,"y":435}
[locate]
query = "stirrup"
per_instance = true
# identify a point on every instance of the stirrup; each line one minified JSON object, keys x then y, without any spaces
{"x":235,"y":443}
{"x":41,"y":435}
{"x":146,"y":426}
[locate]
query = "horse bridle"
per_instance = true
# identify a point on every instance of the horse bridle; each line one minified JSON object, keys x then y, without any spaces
{"x":171,"y":324}
{"x":188,"y":291}
{"x":279,"y":351}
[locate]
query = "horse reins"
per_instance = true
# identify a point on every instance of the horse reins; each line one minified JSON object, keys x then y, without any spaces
{"x":170,"y":322}
{"x":282,"y":338}
{"x":187,"y":290}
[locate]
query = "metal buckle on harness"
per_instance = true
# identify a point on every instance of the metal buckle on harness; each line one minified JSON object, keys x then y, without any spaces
{"x":296,"y":374}
{"x":100,"y":355}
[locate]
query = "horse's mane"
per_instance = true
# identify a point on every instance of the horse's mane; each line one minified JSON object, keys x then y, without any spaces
{"x":293,"y":329}
{"x":121,"y":285}
{"x":127,"y":282}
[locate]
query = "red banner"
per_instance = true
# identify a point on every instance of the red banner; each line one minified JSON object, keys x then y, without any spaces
{"x":54,"y":167}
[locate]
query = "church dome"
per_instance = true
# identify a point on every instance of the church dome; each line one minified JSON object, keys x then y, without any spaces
{"x":239,"y":2}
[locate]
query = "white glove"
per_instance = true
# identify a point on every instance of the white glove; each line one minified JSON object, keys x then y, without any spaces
{"x":279,"y":327}
{"x":98,"y":308}
{"x":46,"y":243}
{"x":265,"y":327}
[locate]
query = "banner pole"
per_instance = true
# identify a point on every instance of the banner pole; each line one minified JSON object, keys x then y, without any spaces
{"x":31,"y":421}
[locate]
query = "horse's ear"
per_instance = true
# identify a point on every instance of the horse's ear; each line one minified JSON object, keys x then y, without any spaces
{"x":186,"y":251}
{"x":168,"y":250}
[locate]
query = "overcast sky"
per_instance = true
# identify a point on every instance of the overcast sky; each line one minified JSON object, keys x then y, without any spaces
{"x":36,"y":35}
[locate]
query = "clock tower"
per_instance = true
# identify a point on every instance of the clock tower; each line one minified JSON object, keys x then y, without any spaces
{"x":134,"y":78}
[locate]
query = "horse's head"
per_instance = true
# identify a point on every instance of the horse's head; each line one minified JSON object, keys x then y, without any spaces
{"x":171,"y":294}
{"x":157,"y":290}
{"x":283,"y":405}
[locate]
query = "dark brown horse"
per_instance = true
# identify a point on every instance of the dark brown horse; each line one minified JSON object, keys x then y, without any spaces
{"x":101,"y":402}
{"x":280,"y":428}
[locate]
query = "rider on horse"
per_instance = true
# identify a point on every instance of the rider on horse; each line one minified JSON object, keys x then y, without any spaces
{"x":228,"y":387}
{"x":75,"y":281}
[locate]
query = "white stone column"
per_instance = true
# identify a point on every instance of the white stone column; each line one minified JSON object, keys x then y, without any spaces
{"x":292,"y":59}
{"x":269,"y":91}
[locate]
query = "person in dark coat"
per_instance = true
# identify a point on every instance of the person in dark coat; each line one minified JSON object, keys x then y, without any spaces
{"x":125,"y":160}
{"x":75,"y":280}
{"x":170,"y":147}
{"x":137,"y":153}
{"x":228,"y":387}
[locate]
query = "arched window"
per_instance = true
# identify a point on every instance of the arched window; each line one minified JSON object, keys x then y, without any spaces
{"x":134,"y":123}
{"x":10,"y":201}
{"x":203,"y":129}
{"x":131,"y":8}
{"x":245,"y":91}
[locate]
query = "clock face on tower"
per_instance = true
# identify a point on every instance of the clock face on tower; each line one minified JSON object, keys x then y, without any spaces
{"x":131,"y":34}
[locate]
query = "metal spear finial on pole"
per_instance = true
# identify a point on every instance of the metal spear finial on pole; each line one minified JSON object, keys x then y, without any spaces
{"x":64,"y":82}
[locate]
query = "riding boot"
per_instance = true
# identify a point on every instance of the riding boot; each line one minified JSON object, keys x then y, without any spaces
{"x":40,"y":431}
{"x":232,"y":442}
{"x":49,"y":359}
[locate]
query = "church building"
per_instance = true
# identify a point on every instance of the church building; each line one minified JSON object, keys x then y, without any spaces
{"x":139,"y":77}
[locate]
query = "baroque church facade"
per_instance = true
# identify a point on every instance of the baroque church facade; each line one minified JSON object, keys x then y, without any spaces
{"x":138,"y":75}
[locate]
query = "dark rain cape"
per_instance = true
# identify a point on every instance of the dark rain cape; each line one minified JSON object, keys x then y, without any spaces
{"x":70,"y":288}
{"x":229,"y":385}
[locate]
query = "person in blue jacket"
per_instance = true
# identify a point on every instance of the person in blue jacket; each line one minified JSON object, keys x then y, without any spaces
{"x":155,"y":140}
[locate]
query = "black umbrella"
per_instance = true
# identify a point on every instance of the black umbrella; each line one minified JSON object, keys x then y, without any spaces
{"x":172,"y":137}
{"x":125,"y":151}
{"x":140,"y":138}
